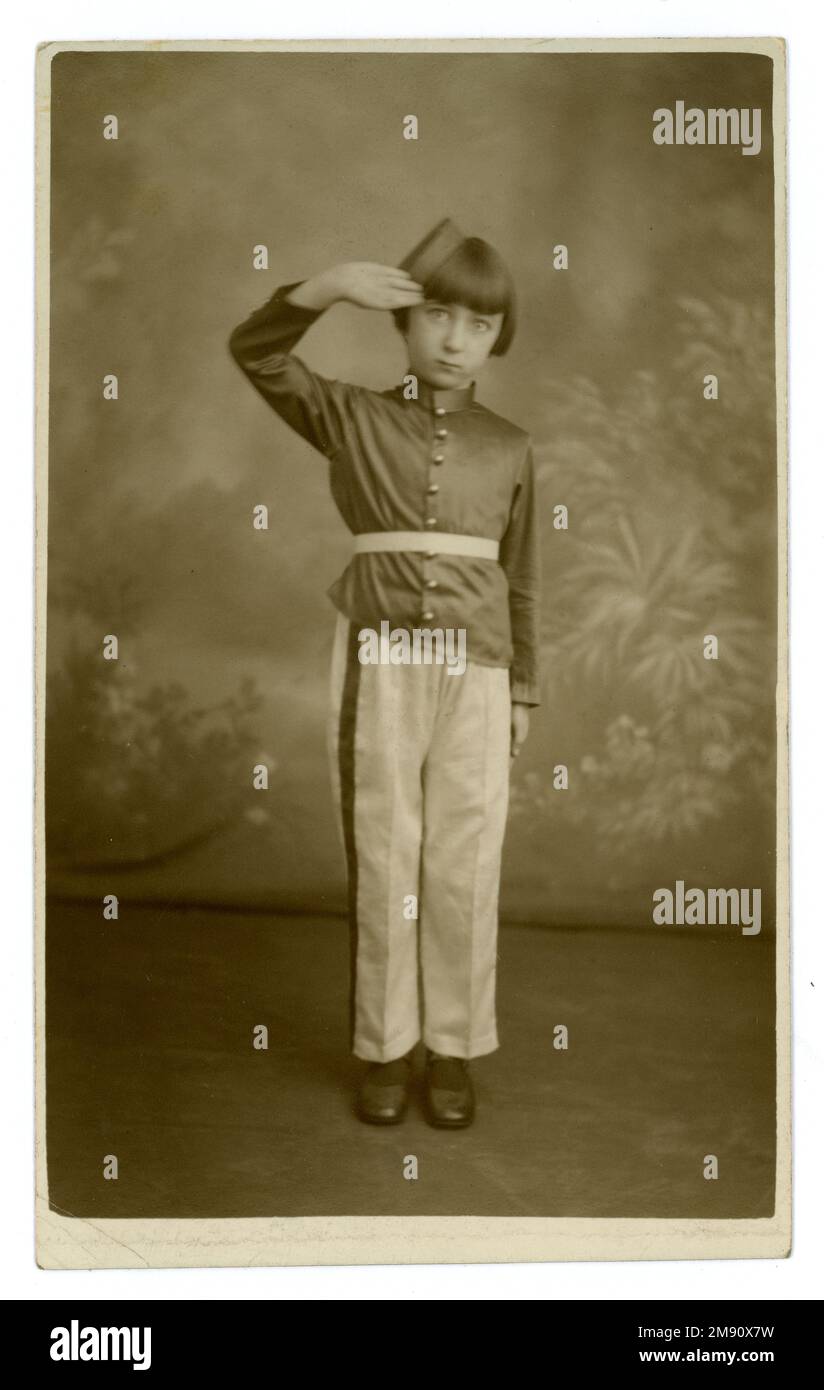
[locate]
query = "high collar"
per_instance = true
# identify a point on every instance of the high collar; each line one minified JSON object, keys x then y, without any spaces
{"x":451,"y":398}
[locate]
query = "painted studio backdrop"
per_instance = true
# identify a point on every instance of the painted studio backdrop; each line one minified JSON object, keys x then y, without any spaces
{"x":225,"y":631}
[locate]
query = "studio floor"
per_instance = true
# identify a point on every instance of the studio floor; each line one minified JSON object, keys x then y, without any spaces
{"x":149,"y":1058}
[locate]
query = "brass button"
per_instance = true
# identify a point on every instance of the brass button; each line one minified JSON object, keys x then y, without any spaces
{"x":431,"y":521}
{"x":427,"y":617}
{"x":440,"y":434}
{"x":431,"y":583}
{"x":430,"y":554}
{"x":438,"y":458}
{"x":440,"y":410}
{"x":433,"y":487}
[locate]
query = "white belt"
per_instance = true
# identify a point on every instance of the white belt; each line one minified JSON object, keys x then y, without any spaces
{"x":440,"y":542}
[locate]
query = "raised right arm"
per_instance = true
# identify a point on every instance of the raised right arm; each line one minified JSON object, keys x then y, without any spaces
{"x":315,"y":407}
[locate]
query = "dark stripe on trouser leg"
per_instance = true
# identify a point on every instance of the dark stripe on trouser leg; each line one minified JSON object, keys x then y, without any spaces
{"x":346,"y":760}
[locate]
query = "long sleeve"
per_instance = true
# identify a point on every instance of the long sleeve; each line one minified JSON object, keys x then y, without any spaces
{"x":520,"y":556}
{"x":314,"y":406}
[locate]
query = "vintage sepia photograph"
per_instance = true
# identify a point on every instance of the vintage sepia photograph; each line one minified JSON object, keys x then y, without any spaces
{"x":412,"y":845}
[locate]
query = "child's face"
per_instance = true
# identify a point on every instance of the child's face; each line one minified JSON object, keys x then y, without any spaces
{"x":449,"y":343}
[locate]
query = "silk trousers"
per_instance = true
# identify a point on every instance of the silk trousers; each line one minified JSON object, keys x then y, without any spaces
{"x":419,"y":761}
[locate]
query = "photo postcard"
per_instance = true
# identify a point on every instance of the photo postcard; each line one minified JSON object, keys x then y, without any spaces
{"x":411,"y":815}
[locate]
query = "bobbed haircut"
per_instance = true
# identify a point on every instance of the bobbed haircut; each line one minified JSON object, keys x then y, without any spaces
{"x":477,"y":277}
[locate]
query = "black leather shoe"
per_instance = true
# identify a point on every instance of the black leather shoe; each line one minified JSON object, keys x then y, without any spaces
{"x":384,"y":1092}
{"x":449,"y":1099}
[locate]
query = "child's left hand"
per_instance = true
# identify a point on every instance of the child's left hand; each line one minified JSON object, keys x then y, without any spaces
{"x":519,"y":728}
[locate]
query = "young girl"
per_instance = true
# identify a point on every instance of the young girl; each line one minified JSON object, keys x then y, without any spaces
{"x":439,"y":494}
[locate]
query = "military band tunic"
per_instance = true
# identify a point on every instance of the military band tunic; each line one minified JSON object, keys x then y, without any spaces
{"x":435,"y":462}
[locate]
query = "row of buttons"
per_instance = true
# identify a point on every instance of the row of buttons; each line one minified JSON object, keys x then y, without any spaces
{"x":432,"y":520}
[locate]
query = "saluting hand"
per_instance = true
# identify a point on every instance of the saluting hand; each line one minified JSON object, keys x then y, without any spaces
{"x":374,"y":286}
{"x":365,"y":283}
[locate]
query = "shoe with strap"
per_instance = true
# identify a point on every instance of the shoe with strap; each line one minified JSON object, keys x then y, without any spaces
{"x":449,"y":1098}
{"x":384,"y":1091}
